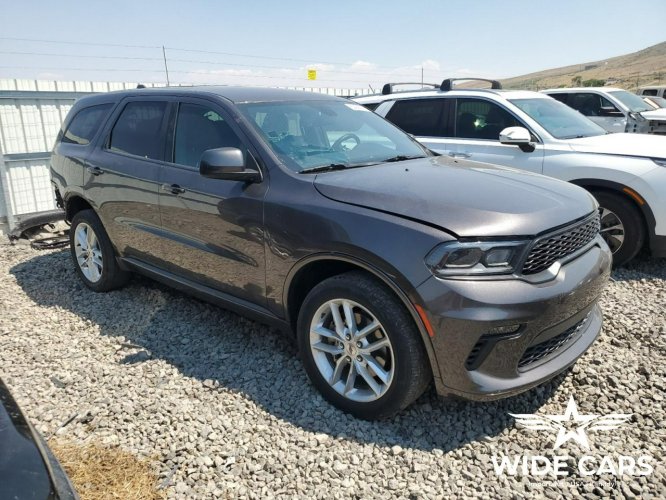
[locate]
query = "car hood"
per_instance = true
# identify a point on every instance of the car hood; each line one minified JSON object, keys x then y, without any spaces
{"x":644,"y":145}
{"x":657,"y":114}
{"x":468,"y":199}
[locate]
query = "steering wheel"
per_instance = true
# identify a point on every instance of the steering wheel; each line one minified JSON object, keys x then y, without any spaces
{"x":337,"y":145}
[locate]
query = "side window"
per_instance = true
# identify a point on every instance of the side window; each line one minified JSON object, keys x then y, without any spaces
{"x":605,"y":103}
{"x":649,"y":92}
{"x":85,"y":124}
{"x":481,"y":119}
{"x":587,"y":103}
{"x":421,"y":117}
{"x":138,"y":130}
{"x":199,"y":128}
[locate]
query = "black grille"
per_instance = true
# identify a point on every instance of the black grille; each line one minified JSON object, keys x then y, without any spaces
{"x":556,"y":246}
{"x":539,"y":351}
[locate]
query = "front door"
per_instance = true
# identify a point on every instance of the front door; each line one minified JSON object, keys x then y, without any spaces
{"x":212,"y":228}
{"x":598,"y":109}
{"x":477,"y":125}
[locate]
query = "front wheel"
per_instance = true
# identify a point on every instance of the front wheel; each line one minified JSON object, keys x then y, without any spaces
{"x":621,"y":226}
{"x":360,"y":347}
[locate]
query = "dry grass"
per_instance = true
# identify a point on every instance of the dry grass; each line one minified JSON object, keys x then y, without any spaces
{"x":645,"y":67}
{"x":102,"y":473}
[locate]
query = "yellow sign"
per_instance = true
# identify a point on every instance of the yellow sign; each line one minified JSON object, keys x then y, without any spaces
{"x":312,"y":74}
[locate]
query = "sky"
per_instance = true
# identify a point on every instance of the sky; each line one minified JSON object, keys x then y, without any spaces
{"x":351,"y":44}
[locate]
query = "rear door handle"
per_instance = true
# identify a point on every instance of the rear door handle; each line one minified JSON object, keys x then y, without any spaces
{"x":453,"y":154}
{"x":173,"y":188}
{"x":95,"y":170}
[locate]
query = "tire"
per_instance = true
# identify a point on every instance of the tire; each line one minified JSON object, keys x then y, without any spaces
{"x":404,"y":369}
{"x":99,"y":269}
{"x":616,"y":208}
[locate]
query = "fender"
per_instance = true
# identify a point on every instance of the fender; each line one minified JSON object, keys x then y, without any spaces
{"x":622,"y":189}
{"x":388,"y":281}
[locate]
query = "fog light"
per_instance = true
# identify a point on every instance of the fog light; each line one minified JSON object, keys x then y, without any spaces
{"x":503,"y":330}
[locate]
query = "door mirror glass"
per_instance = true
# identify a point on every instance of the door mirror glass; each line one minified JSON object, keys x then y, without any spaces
{"x":515,"y":135}
{"x":229,"y":164}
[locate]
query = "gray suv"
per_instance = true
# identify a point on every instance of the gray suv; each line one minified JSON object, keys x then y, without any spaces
{"x":392,"y":266}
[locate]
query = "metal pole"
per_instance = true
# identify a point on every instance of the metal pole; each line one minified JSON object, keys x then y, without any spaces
{"x":421,"y":76}
{"x":166,"y":68}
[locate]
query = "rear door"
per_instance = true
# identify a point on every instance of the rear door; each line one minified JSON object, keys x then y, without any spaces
{"x":122,"y":176}
{"x":477,"y":123}
{"x":426,"y":119}
{"x":213,"y":229}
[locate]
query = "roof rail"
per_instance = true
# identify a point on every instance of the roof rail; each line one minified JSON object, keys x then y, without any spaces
{"x":388,"y":88}
{"x":448,"y":83}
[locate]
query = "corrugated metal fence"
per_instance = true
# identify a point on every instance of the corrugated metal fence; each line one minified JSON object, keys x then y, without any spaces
{"x":31,"y":112}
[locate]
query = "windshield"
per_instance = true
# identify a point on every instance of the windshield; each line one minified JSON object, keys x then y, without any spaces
{"x":310,"y":134}
{"x":631,"y":101}
{"x":559,"y":120}
{"x":658,"y":102}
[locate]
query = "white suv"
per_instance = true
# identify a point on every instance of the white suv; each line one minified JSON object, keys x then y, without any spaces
{"x":616,"y":110}
{"x":531,"y":131}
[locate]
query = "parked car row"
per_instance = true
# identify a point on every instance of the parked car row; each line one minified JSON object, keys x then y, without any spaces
{"x":530,"y":131}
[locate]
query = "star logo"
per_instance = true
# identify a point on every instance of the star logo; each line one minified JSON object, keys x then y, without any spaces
{"x":572,"y":426}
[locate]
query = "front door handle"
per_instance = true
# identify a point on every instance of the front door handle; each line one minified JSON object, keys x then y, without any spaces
{"x":95,"y":170}
{"x":454,"y":154}
{"x":173,"y":188}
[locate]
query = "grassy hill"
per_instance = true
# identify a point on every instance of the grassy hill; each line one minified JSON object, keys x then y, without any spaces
{"x":630,"y":71}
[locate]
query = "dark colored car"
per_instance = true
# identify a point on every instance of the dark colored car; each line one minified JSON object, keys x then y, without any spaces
{"x":393,"y":266}
{"x":28,"y":469}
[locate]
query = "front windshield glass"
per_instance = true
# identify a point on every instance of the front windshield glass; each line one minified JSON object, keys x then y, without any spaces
{"x":659,"y":102}
{"x":559,"y":120}
{"x":311,"y":134}
{"x":631,"y":101}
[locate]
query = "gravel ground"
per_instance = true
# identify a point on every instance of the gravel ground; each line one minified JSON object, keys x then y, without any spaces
{"x":223,"y":407}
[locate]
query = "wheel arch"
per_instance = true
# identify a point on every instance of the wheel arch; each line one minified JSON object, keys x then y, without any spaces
{"x":311,"y":270}
{"x":74,"y":204}
{"x":627,"y":193}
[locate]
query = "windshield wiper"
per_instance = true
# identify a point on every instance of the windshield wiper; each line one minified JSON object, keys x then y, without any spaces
{"x":325,"y":168}
{"x":403,"y":158}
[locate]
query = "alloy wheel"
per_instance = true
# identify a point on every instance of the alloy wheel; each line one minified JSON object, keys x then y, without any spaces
{"x":352,"y":350}
{"x":88,"y":252}
{"x":612,"y":229}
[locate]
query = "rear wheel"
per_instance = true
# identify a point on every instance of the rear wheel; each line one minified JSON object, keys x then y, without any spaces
{"x":621,"y":226}
{"x":360,"y":347}
{"x":93,"y":254}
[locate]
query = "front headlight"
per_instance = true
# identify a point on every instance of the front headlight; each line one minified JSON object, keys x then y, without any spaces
{"x":659,"y":161}
{"x":475,"y":258}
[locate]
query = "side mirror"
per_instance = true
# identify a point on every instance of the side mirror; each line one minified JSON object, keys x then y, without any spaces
{"x":517,"y":136}
{"x":228,"y":164}
{"x":609,"y":111}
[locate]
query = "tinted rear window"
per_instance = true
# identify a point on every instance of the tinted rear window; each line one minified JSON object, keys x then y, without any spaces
{"x":421,"y":117}
{"x":85,"y":124}
{"x":138,"y":130}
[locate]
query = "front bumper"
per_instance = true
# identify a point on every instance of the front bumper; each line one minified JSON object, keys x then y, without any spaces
{"x":557,"y":321}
